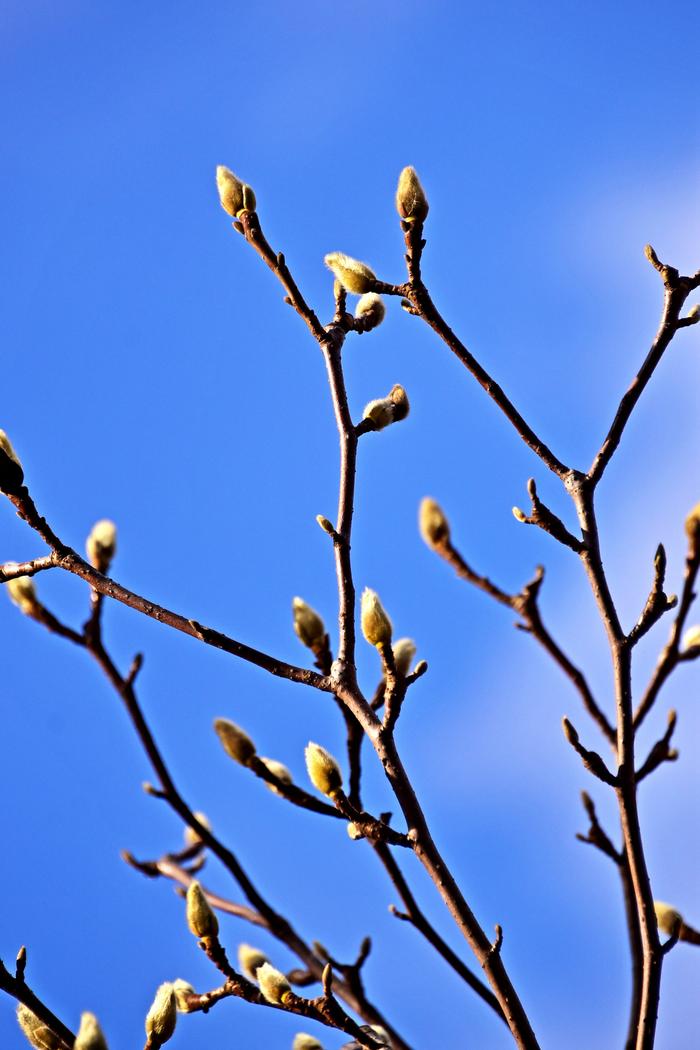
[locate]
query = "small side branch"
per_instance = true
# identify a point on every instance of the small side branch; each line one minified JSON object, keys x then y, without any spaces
{"x":591,"y":759}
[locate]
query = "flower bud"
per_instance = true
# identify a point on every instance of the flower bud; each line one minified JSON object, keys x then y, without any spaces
{"x":192,"y":837}
{"x":273,"y":984}
{"x":235,"y":196}
{"x":353,"y":831}
{"x":691,"y":638}
{"x":250,"y":960}
{"x":376,"y":625}
{"x":519,"y":515}
{"x":694,"y":313}
{"x":182,"y":990}
{"x":324,"y":771}
{"x":692,"y":523}
{"x":302,"y":1041}
{"x":200,"y":916}
{"x":23,"y":593}
{"x":279,"y":770}
{"x":411,"y":201}
{"x":38,"y":1034}
{"x":101,"y":544}
{"x":162,"y":1017}
{"x":667,"y":918}
{"x":308,"y":625}
{"x":434,"y":526}
{"x":90,"y":1036}
{"x":236,"y":743}
{"x":354,"y":275}
{"x":382,"y":1033}
{"x":399,"y":399}
{"x":370,"y":311}
{"x":404,"y":651}
{"x":390,"y":409}
{"x":11,"y":473}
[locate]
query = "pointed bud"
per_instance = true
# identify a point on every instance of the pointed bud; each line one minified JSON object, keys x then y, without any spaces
{"x":376,"y":625}
{"x":235,"y":196}
{"x":90,"y":1036}
{"x":11,"y":473}
{"x":101,"y":544}
{"x":434,"y":526}
{"x":370,"y":311}
{"x":324,"y":771}
{"x":279,"y":770}
{"x":250,"y":960}
{"x":200,"y":916}
{"x":236,"y":743}
{"x":667,"y":918}
{"x":23,"y":593}
{"x":162,"y":1017}
{"x":404,"y":652}
{"x":519,"y":515}
{"x":411,"y":201}
{"x":691,"y":638}
{"x":354,"y":275}
{"x":325,"y":524}
{"x":36,"y":1032}
{"x":308,"y":625}
{"x":692,"y":523}
{"x":302,"y":1041}
{"x":694,"y":313}
{"x":182,"y":989}
{"x":192,"y":837}
{"x":273,"y":984}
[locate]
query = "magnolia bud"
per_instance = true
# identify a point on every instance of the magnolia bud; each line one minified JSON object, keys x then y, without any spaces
{"x":434,"y":526}
{"x":519,"y":515}
{"x":90,"y":1036}
{"x":399,"y":399}
{"x":692,"y":523}
{"x":37,"y":1033}
{"x":667,"y":918}
{"x":354,"y":276}
{"x":370,"y":311}
{"x":353,"y":831}
{"x":192,"y":837}
{"x":390,"y":409}
{"x":404,"y":651}
{"x":236,"y":743}
{"x":308,"y":625}
{"x":411,"y":202}
{"x":302,"y":1041}
{"x":273,"y":984}
{"x":376,"y":625}
{"x":101,"y":544}
{"x":694,"y":313}
{"x":23,"y":593}
{"x":162,"y":1017}
{"x":11,"y":473}
{"x":200,"y":916}
{"x":691,"y":638}
{"x":382,"y":1033}
{"x":250,"y":960}
{"x":324,"y":771}
{"x":279,"y":770}
{"x":182,"y":990}
{"x":235,"y":196}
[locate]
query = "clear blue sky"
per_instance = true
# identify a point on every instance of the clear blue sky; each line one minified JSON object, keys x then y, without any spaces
{"x":152,"y":374}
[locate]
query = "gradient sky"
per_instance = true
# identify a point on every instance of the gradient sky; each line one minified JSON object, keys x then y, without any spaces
{"x":152,"y":374}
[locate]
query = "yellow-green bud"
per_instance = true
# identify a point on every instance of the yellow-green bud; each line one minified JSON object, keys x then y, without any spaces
{"x":11,"y":472}
{"x":308,"y":625}
{"x":37,"y":1033}
{"x":376,"y":625}
{"x":382,"y":1033}
{"x":192,"y":837}
{"x":353,"y":831}
{"x":101,"y":544}
{"x":236,"y":743}
{"x":23,"y":593}
{"x":200,"y":915}
{"x":370,"y":311}
{"x":390,"y":409}
{"x":694,"y":313}
{"x":235,"y":196}
{"x":411,"y":201}
{"x":302,"y":1041}
{"x":404,"y":651}
{"x":273,"y":984}
{"x":279,"y":770}
{"x":324,"y":771}
{"x":692,"y":523}
{"x":434,"y":526}
{"x":691,"y":638}
{"x":90,"y":1035}
{"x":667,"y":917}
{"x":519,"y":515}
{"x":354,"y":275}
{"x":250,"y":960}
{"x":182,"y":990}
{"x":399,"y":399}
{"x":162,"y":1017}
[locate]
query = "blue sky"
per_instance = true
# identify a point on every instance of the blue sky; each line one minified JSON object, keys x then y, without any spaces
{"x":153,"y":375}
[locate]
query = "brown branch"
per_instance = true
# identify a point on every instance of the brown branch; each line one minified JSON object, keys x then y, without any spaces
{"x":661,"y":751}
{"x":591,"y":759}
{"x":658,"y":601}
{"x":17,"y":987}
{"x":11,"y":570}
{"x":547,"y":520}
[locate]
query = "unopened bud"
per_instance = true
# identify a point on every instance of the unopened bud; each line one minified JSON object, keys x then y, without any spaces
{"x":90,"y":1035}
{"x":404,"y":651}
{"x":667,"y":917}
{"x":250,"y":960}
{"x":182,"y":990}
{"x":370,"y":311}
{"x":519,"y":515}
{"x":324,"y":771}
{"x":11,"y":473}
{"x":101,"y":544}
{"x":434,"y":526}
{"x":235,"y":196}
{"x":37,"y":1033}
{"x":192,"y":837}
{"x":273,"y":984}
{"x":376,"y":625}
{"x":354,"y":275}
{"x":236,"y":743}
{"x":692,"y":523}
{"x":691,"y":638}
{"x":200,"y":916}
{"x":382,"y":1033}
{"x":308,"y":625}
{"x":325,"y":524}
{"x":23,"y":593}
{"x":411,"y":201}
{"x":302,"y":1041}
{"x":162,"y":1017}
{"x":353,"y":831}
{"x":390,"y":409}
{"x":279,"y":770}
{"x":694,"y":313}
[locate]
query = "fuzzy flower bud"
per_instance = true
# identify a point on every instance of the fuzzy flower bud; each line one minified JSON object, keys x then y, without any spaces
{"x":236,"y":743}
{"x":182,"y":989}
{"x":519,"y":515}
{"x":411,"y":201}
{"x":382,"y":1033}
{"x":192,"y":837}
{"x":692,"y":523}
{"x":279,"y":770}
{"x":324,"y":771}
{"x":434,"y":526}
{"x":376,"y":625}
{"x":667,"y":918}
{"x":390,"y":409}
{"x":354,"y":276}
{"x":404,"y":651}
{"x":162,"y":1017}
{"x":250,"y":960}
{"x":36,"y":1032}
{"x":353,"y":831}
{"x":235,"y":196}
{"x":90,"y":1036}
{"x":370,"y":311}
{"x":273,"y":984}
{"x":200,"y":916}
{"x":11,"y":473}
{"x":23,"y":593}
{"x":302,"y":1041}
{"x":691,"y":638}
{"x":101,"y":544}
{"x":308,"y":625}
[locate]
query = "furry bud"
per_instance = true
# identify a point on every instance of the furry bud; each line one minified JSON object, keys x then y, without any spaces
{"x":691,"y":638}
{"x":101,"y":544}
{"x":279,"y":770}
{"x":404,"y":651}
{"x":302,"y":1041}
{"x":376,"y":625}
{"x":353,"y":831}
{"x":192,"y":837}
{"x":324,"y":771}
{"x":23,"y":593}
{"x":667,"y":918}
{"x":390,"y":409}
{"x":250,"y":960}
{"x":308,"y":625}
{"x":411,"y":201}
{"x":90,"y":1036}
{"x":236,"y":743}
{"x":37,"y":1033}
{"x":11,"y":473}
{"x":200,"y":916}
{"x":182,"y":989}
{"x":519,"y":515}
{"x":370,"y":311}
{"x":354,"y":275}
{"x":162,"y":1017}
{"x":434,"y":526}
{"x":273,"y":984}
{"x":235,"y":196}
